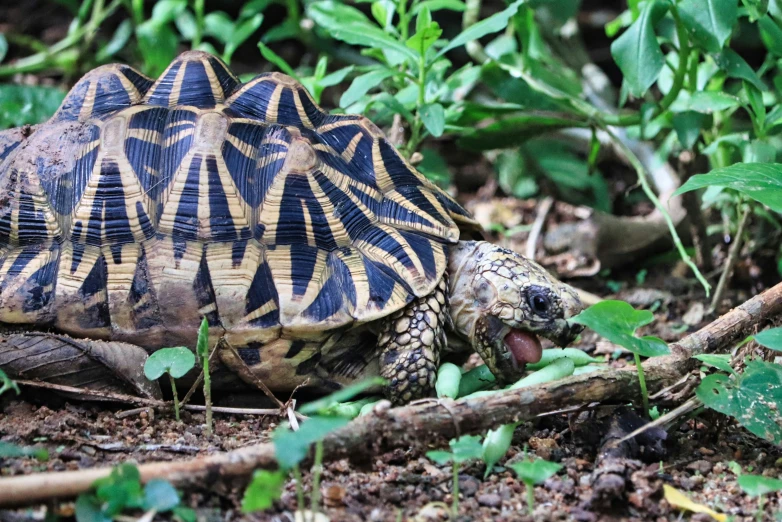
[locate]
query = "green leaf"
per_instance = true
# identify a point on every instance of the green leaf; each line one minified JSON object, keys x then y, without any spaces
{"x":719,"y":361}
{"x":118,"y":41}
{"x":158,"y":46}
{"x":166,"y":11}
{"x":759,"y":181}
{"x":756,"y":8}
{"x":736,"y":67}
{"x":3,"y":47}
{"x":88,"y":509}
{"x":277,"y":60}
{"x":349,"y":25}
{"x":290,"y":447}
{"x":757,"y":485}
{"x":433,"y":116}
{"x":688,"y":126}
{"x":771,"y":338}
{"x":424,"y":38}
{"x":465,"y":448}
{"x":771,"y":34}
{"x":202,"y":345}
{"x":186,"y":25}
{"x":184,"y":514}
{"x":752,"y":399}
{"x":439,"y":5}
{"x":265,"y":488}
{"x":495,"y":23}
{"x":514,"y":131}
{"x":617,"y":321}
{"x":362,"y":84}
{"x":21,"y":104}
{"x":8,"y":450}
{"x":707,"y":102}
{"x":241,"y":32}
{"x":8,"y":383}
{"x":637,"y":52}
{"x":709,"y":22}
{"x":160,"y":495}
{"x":345,"y":394}
{"x":174,"y":361}
{"x":439,"y":456}
{"x":219,"y":25}
{"x":336,"y":77}
{"x":536,"y":471}
{"x":120,"y":490}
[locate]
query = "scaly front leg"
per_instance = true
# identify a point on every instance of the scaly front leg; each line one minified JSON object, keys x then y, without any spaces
{"x":410,"y":343}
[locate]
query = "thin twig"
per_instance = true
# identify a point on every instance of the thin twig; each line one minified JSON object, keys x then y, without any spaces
{"x":248,"y":374}
{"x":120,"y":397}
{"x":730,"y":262}
{"x":537,"y":227}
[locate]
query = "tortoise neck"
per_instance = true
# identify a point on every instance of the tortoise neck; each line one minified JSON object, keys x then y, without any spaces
{"x":462,"y":267}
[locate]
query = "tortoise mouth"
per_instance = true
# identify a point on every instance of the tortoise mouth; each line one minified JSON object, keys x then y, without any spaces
{"x":524,"y":347}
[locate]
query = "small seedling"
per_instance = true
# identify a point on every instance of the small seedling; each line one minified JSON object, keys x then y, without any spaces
{"x":617,"y":321}
{"x":8,"y":450}
{"x":176,"y":362}
{"x":264,"y":489}
{"x":533,"y":472}
{"x":202,"y":350}
{"x":122,"y":490}
{"x":291,"y":447}
{"x":759,"y":486}
{"x":463,"y":449}
{"x":8,"y":383}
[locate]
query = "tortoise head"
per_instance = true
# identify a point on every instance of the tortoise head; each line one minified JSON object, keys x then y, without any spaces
{"x":501,"y":302}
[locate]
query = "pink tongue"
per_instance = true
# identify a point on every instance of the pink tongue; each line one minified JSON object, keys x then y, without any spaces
{"x":525,"y":347}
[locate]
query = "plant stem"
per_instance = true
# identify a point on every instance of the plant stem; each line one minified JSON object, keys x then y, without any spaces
{"x":641,"y":172}
{"x":317,"y":469}
{"x":404,"y":21}
{"x":455,"y":490}
{"x":530,"y":498}
{"x":730,"y":262}
{"x":208,"y":395}
{"x":642,"y":383}
{"x":199,"y":26}
{"x":176,"y":397}
{"x":299,"y":489}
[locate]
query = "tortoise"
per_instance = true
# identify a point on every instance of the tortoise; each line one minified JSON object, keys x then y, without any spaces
{"x":314,"y":250}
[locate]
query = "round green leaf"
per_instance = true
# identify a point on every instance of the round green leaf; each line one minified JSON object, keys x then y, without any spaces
{"x":160,"y":495}
{"x":174,"y":361}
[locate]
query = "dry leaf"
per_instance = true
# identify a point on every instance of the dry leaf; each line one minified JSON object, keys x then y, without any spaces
{"x":677,"y":499}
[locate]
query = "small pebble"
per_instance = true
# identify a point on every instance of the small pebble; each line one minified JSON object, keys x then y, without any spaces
{"x":489,"y":500}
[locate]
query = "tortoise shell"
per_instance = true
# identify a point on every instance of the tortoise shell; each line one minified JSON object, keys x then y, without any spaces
{"x":142,"y":206}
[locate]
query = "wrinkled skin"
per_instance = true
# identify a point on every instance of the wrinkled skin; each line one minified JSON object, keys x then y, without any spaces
{"x":498,"y":298}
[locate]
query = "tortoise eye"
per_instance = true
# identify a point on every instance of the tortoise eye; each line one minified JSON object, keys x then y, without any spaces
{"x":539,"y":303}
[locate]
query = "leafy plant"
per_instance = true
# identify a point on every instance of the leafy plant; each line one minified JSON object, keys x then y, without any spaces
{"x":464,"y":448}
{"x":413,"y":65}
{"x":8,"y":384}
{"x":759,"y":486}
{"x":533,"y":472}
{"x":176,"y":362}
{"x":617,"y":321}
{"x":291,"y":448}
{"x":750,"y":396}
{"x":202,"y":350}
{"x":8,"y":450}
{"x":122,"y":490}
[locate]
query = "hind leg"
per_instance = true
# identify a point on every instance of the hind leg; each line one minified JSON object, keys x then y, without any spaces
{"x":410,"y":343}
{"x":58,"y":359}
